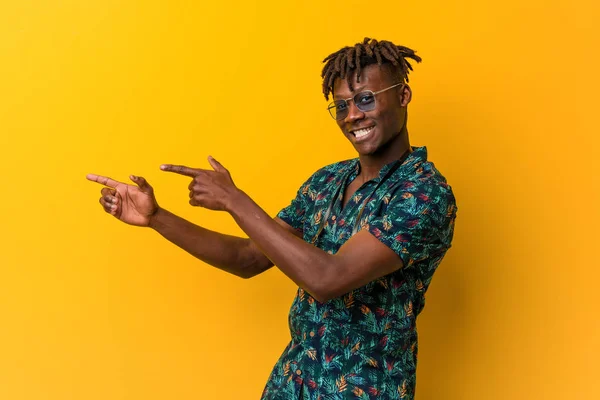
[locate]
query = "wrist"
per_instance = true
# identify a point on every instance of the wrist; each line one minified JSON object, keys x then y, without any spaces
{"x":235,"y":201}
{"x":155,"y":218}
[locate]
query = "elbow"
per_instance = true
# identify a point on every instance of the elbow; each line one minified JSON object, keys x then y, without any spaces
{"x":325,"y":290}
{"x":329,"y":285}
{"x":322,"y":295}
{"x":253,"y":269}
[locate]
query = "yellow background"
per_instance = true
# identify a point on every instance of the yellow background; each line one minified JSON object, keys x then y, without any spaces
{"x":90,"y":308}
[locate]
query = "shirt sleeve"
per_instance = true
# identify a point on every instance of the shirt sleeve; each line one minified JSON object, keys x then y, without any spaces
{"x":416,"y":224}
{"x":295,"y":213}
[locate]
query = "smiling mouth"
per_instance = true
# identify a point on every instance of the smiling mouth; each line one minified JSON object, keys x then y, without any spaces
{"x":361,"y":133}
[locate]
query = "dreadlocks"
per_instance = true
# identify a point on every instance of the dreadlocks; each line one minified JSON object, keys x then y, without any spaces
{"x":344,"y":61}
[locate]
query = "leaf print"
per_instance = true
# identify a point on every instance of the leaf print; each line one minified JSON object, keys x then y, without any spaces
{"x":372,"y":362}
{"x":419,"y":285}
{"x":407,"y":195}
{"x":412,"y":223}
{"x":408,"y":307}
{"x":358,"y":391}
{"x":364,"y":224}
{"x":423,"y":197}
{"x":387,"y":224}
{"x":386,"y":198}
{"x":341,"y":383}
{"x":402,"y":238}
{"x":318,"y":217}
{"x":365,"y":309}
{"x":322,"y":330}
{"x":357,"y":197}
{"x":373,"y":391}
{"x":389,"y":365}
{"x":380,"y":311}
{"x":312,"y":354}
{"x":286,"y":369}
{"x":383,"y":341}
{"x":349,"y":299}
{"x":312,"y":194}
{"x":402,"y":390}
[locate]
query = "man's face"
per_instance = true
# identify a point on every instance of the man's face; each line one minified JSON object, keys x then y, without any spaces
{"x":370,"y":131}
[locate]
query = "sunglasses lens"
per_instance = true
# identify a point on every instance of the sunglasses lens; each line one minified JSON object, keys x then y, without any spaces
{"x":365,"y":101}
{"x":338,"y":109}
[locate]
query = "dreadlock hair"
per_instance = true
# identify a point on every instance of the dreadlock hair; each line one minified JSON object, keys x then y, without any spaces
{"x":343,"y":62}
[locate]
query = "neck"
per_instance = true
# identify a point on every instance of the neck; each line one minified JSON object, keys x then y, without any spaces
{"x":371,"y":164}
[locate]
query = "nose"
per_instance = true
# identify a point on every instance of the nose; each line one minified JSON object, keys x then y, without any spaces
{"x":354,"y":114}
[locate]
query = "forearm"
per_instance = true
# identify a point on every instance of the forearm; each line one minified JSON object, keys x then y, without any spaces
{"x":308,"y":266}
{"x":228,"y":253}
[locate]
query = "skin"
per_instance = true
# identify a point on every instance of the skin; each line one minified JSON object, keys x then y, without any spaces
{"x":360,"y":260}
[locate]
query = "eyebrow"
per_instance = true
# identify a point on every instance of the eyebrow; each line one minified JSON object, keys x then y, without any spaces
{"x":356,"y":90}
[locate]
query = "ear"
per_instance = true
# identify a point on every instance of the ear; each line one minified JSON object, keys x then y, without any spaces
{"x":405,"y":95}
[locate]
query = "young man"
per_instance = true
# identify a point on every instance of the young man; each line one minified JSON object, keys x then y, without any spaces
{"x":361,"y":239}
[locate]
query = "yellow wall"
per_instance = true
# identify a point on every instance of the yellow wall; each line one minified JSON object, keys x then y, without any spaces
{"x":93,"y":309}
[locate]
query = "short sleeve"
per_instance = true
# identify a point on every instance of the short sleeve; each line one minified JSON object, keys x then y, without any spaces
{"x":295,"y":214}
{"x":416,"y":224}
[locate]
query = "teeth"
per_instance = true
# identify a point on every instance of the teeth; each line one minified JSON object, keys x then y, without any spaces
{"x":362,"y":132}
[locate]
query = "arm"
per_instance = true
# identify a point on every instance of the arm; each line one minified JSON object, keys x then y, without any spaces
{"x":136,"y":205}
{"x":238,"y":256}
{"x":362,"y":259}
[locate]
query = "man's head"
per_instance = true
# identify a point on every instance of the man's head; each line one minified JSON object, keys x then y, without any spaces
{"x":374,"y":76}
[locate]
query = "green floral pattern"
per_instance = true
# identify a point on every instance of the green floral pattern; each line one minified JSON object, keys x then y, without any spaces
{"x":363,"y":345}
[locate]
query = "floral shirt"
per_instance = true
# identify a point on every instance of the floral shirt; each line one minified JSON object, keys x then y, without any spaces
{"x":363,"y":345}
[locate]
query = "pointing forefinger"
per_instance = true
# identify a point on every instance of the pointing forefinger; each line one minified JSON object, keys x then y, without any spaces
{"x":180,"y":169}
{"x":103,"y":180}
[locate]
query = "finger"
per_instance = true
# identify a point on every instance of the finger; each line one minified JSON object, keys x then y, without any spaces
{"x":110,"y":199}
{"x":217,"y":166}
{"x":142,"y":183}
{"x":108,"y":192}
{"x":180,"y":169}
{"x":197,"y":200}
{"x":108,"y":206}
{"x":104,"y":180}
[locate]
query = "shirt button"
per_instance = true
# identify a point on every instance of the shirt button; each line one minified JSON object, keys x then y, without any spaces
{"x":298,"y":372}
{"x":333,"y":218}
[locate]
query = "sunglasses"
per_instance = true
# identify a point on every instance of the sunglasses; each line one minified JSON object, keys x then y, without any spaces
{"x":364,"y":101}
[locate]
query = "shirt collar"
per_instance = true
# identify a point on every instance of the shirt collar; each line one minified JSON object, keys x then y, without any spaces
{"x":412,"y":162}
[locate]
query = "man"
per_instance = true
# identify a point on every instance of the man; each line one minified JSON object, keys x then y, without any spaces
{"x":361,"y":239}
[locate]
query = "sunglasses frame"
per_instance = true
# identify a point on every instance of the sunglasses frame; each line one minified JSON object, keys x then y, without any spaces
{"x":333,"y":104}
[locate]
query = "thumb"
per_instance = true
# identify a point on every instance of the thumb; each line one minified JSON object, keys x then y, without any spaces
{"x":216,"y":165}
{"x":142,"y":184}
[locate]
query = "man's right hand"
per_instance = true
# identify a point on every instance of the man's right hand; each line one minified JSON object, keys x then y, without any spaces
{"x":134,"y":205}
